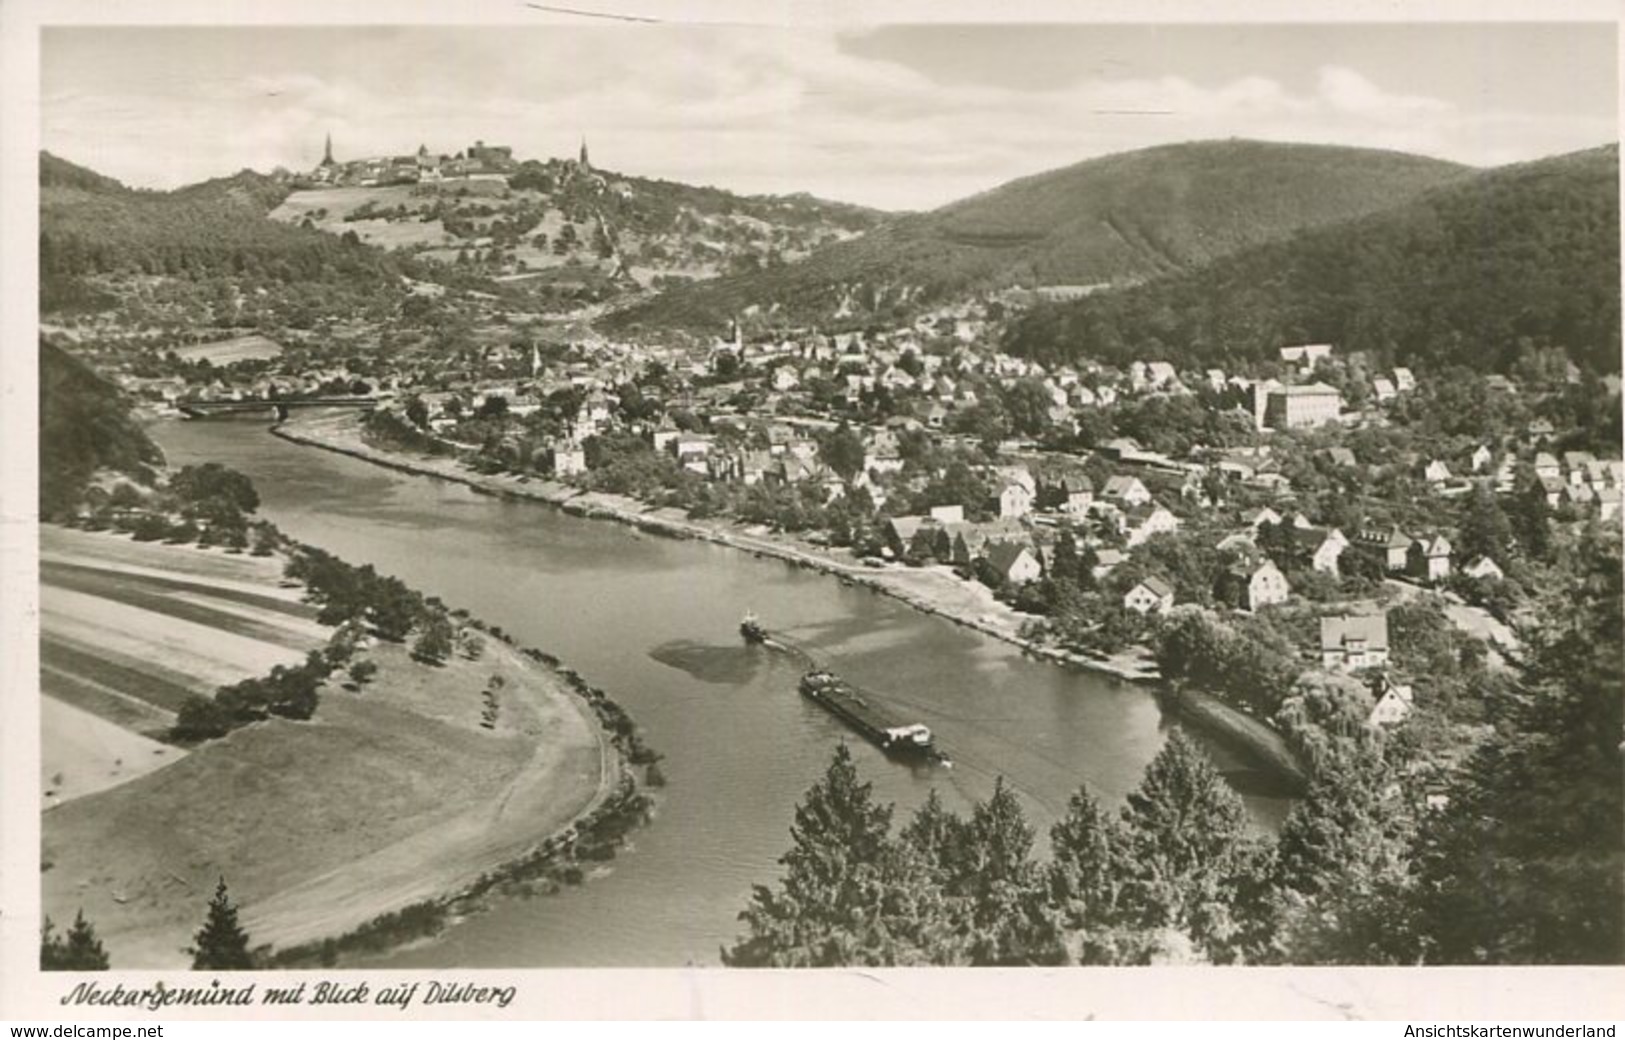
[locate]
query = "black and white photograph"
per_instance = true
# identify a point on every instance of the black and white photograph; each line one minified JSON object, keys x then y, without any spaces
{"x":686,"y":486}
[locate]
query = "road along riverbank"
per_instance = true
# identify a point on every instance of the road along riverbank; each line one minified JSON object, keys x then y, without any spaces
{"x":933,"y":590}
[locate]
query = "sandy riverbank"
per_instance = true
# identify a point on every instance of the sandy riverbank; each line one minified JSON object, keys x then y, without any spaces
{"x":934,"y":590}
{"x":392,"y":794}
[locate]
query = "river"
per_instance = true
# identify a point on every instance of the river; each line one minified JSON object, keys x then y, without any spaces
{"x":654,"y":621}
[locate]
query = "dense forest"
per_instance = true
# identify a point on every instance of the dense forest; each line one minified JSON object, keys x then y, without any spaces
{"x":93,"y":225}
{"x":1117,"y":219}
{"x":85,"y":426}
{"x":1478,"y":273}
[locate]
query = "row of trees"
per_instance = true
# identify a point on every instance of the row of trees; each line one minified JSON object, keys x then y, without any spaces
{"x":1160,"y":882}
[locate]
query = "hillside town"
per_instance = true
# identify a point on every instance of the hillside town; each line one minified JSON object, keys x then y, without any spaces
{"x":1315,"y":493}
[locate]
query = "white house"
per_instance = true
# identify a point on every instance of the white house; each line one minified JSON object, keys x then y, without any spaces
{"x":1325,"y":547}
{"x":1141,"y":522}
{"x":1149,"y":596}
{"x":1125,"y":491}
{"x":569,"y":460}
{"x":1483,"y":567}
{"x":1015,"y":501}
{"x":1430,"y":558}
{"x":1266,"y":585}
{"x":1393,"y":707}
{"x":1014,"y":563}
{"x":1353,"y":641}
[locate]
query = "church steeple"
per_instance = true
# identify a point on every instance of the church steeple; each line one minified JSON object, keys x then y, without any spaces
{"x":327,"y":155}
{"x":582,"y":162}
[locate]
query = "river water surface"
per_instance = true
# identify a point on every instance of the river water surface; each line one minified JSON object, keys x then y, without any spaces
{"x":654,"y":622}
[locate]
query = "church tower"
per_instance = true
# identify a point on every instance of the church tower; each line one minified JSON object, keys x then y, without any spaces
{"x":327,"y":155}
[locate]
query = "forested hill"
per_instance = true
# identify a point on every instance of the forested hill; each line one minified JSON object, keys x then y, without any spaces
{"x":1118,"y":219}
{"x":93,"y":225}
{"x":85,"y":426}
{"x":1471,"y":273}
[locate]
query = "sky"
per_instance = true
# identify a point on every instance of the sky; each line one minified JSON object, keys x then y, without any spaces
{"x":900,"y":116}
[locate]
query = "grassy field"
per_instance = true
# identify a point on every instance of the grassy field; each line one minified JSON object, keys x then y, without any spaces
{"x":226,"y":351}
{"x":93,"y":753}
{"x":392,"y":793}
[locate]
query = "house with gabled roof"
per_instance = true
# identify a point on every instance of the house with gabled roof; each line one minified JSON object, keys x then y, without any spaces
{"x":1350,"y":642}
{"x":1106,"y":561}
{"x":1484,"y":568}
{"x":1394,"y":703}
{"x":1252,"y":583}
{"x":1429,"y":558}
{"x":1015,"y":500}
{"x":966,"y":542}
{"x":1391,"y":545}
{"x":1150,"y":595}
{"x":1142,"y":522}
{"x":1079,"y":492}
{"x":1608,"y":503}
{"x":1325,"y":546}
{"x":1014,"y":563}
{"x":1125,"y":491}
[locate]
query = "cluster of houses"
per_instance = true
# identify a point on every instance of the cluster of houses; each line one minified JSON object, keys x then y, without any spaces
{"x":422,"y":167}
{"x":1581,"y":480}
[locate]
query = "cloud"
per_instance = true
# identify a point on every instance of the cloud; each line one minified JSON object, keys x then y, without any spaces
{"x":750,"y":108}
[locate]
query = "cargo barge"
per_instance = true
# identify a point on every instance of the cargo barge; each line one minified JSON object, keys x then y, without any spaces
{"x":905,"y":740}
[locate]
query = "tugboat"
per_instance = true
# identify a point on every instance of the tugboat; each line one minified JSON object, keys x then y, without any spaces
{"x":905,"y":740}
{"x":751,"y":629}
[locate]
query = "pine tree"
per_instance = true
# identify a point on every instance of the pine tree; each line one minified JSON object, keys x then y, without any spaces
{"x":1485,"y":530}
{"x":1185,"y":847}
{"x":825,"y":912}
{"x":222,"y":945}
{"x":1001,"y":882}
{"x":1341,"y":863}
{"x":1082,"y":882}
{"x":79,"y":950}
{"x":1530,"y":519}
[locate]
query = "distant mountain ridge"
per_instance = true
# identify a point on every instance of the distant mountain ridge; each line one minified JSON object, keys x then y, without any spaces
{"x":1118,"y":219}
{"x":1474,"y":272}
